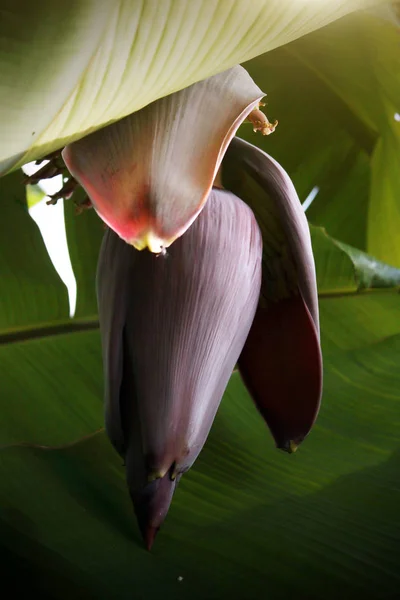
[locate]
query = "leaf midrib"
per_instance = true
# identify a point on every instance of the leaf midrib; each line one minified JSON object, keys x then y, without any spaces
{"x":44,"y":330}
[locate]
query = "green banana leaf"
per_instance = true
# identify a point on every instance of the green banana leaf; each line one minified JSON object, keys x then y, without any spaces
{"x":68,"y":68}
{"x":336,"y":95}
{"x":31,"y":292}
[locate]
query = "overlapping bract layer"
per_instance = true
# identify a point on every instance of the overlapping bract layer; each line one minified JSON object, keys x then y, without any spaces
{"x":149,"y":175}
{"x":281,"y":361}
{"x":172,"y":330}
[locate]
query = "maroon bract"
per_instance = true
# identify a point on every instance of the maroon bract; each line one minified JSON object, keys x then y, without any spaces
{"x":172,"y":329}
{"x":281,"y":361}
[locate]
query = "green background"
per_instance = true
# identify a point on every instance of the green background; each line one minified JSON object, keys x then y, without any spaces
{"x":247,"y":521}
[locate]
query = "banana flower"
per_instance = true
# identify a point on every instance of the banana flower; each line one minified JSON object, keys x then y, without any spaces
{"x":229,"y":279}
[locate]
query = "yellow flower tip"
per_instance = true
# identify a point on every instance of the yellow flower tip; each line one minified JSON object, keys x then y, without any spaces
{"x":268,"y":128}
{"x":151,"y":241}
{"x":290,"y":447}
{"x":156,"y":475}
{"x":260,"y":121}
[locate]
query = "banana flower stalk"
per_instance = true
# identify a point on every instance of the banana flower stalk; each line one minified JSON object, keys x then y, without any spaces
{"x":229,"y":279}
